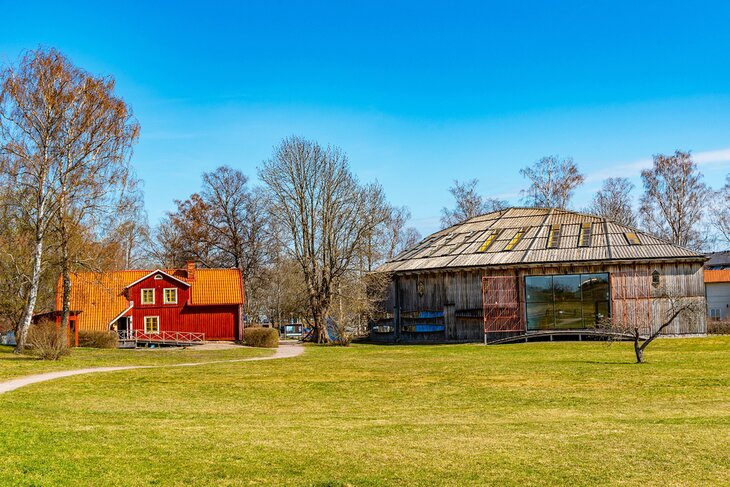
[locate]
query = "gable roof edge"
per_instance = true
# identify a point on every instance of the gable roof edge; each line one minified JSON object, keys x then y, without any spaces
{"x":153,"y":273}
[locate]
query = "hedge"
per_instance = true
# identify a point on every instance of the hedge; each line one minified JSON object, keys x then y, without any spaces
{"x":257,"y":336}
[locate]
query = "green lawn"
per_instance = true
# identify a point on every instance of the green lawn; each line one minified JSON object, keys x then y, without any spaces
{"x":525,"y":414}
{"x":12,"y":366}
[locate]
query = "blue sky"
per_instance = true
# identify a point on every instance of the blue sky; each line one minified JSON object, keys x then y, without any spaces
{"x":417,"y":94}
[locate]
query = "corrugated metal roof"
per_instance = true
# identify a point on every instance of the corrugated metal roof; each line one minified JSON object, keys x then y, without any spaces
{"x":717,"y":275}
{"x":101,"y":295}
{"x":458,"y":246}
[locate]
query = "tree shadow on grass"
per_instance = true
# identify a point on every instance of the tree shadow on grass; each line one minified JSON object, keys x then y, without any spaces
{"x":602,"y":362}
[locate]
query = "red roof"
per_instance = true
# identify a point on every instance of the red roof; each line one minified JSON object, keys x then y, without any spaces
{"x":717,"y":275}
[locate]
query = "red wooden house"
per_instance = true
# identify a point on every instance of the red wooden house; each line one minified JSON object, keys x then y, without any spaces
{"x":201,"y":301}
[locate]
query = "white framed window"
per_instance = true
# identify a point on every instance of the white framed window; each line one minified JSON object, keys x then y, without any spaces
{"x":151,"y":324}
{"x":148,"y":296}
{"x":158,"y":277}
{"x":170,"y":295}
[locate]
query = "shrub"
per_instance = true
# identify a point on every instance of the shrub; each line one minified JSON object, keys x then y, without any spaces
{"x":98,"y":339}
{"x":343,"y":336}
{"x":46,"y":341}
{"x":715,"y":327}
{"x":257,"y":336}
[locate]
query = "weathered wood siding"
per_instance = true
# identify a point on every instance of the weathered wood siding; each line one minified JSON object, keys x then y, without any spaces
{"x":458,"y":294}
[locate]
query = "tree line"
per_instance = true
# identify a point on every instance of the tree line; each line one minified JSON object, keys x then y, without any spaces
{"x":676,"y":203}
{"x":305,"y":232}
{"x":305,"y":239}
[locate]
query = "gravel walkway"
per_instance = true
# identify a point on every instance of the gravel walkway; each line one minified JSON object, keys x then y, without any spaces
{"x":285,"y":350}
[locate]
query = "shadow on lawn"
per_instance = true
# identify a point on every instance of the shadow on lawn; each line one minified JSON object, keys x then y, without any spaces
{"x":7,"y":355}
{"x":601,"y":362}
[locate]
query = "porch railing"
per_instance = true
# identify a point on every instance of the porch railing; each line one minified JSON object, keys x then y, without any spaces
{"x":163,"y":337}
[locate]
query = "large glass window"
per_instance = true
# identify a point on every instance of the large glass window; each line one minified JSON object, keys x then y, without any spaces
{"x":567,"y":301}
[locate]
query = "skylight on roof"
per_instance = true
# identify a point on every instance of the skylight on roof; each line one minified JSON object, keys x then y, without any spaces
{"x":632,"y":238}
{"x":489,"y":241}
{"x":554,"y":237}
{"x":516,"y":239}
{"x":586,"y":231}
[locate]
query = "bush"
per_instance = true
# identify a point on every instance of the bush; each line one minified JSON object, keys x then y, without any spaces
{"x":257,"y":336}
{"x":98,"y":339}
{"x":715,"y":327}
{"x":46,"y":341}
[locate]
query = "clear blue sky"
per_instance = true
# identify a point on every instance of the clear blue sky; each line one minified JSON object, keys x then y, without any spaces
{"x":417,"y":94}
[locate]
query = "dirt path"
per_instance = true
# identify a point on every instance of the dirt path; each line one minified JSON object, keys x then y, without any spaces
{"x":285,"y":350}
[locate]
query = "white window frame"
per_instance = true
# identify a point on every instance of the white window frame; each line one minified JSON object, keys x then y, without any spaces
{"x":158,"y":324}
{"x":164,"y":295}
{"x":141,"y":296}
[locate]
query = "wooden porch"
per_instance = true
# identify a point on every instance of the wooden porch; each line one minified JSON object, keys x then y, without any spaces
{"x":135,"y":339}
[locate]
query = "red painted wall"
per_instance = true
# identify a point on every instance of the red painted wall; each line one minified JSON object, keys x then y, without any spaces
{"x":217,"y":322}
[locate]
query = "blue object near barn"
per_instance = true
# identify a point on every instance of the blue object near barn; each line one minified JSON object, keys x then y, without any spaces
{"x":423,"y":328}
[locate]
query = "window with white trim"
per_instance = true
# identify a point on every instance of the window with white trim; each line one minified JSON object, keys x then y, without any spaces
{"x":151,"y":324}
{"x":148,"y":296}
{"x":170,"y":295}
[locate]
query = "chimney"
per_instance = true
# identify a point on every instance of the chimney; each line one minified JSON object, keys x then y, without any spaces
{"x":191,"y":271}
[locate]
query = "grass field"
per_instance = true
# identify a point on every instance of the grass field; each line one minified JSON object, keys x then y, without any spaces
{"x":525,"y":414}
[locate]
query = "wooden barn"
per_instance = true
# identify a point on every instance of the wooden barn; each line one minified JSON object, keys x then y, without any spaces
{"x":203,"y":303}
{"x":534,"y":272}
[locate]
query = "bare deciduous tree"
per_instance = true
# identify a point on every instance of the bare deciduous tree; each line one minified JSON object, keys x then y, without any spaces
{"x":469,"y":203}
{"x":65,"y":142}
{"x":720,"y":211}
{"x":679,"y":307}
{"x":328,"y":215}
{"x":32,"y":103}
{"x":613,"y":201}
{"x":552,"y":182}
{"x":222,"y":226}
{"x":674,"y":199}
{"x":397,"y":235}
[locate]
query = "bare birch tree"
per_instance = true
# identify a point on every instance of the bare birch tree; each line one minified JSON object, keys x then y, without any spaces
{"x":33,"y":100}
{"x":66,"y":140}
{"x":397,"y":236}
{"x":468,"y":203}
{"x":720,"y":211}
{"x":552,"y":182}
{"x":613,"y":201}
{"x":674,"y":199}
{"x":327,"y":213}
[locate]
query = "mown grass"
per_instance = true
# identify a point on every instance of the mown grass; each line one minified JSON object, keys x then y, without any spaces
{"x":526,"y":414}
{"x":12,"y":366}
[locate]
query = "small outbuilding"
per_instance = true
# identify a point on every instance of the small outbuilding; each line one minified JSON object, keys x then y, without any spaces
{"x":524,"y":272}
{"x":717,"y":285}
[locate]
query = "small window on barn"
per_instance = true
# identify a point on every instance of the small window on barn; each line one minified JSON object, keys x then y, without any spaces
{"x":170,"y":295}
{"x":490,"y":240}
{"x":151,"y":324}
{"x":554,"y":237}
{"x":632,"y":238}
{"x":584,"y":239}
{"x":655,"y":278}
{"x":158,"y":277}
{"x":148,"y":296}
{"x":516,"y":239}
